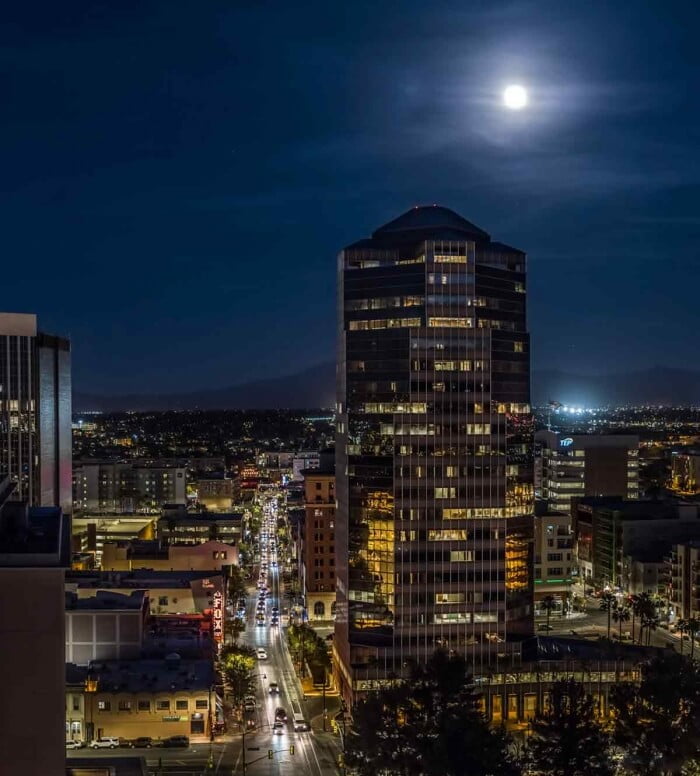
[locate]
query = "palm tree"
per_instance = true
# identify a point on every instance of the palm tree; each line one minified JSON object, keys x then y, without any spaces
{"x":621,"y":614}
{"x":607,"y":603}
{"x":632,"y":603}
{"x":682,"y":626}
{"x":644,"y":610}
{"x":549,"y":604}
{"x":651,"y":621}
{"x":693,"y":628}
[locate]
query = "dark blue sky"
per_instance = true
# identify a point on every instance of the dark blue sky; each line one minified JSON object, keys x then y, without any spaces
{"x":177,"y":177}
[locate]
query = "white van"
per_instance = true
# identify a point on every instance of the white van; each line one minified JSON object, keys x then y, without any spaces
{"x":300,"y":724}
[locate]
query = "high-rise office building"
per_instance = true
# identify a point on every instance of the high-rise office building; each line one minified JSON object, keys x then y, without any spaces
{"x":577,"y":465}
{"x":434,"y":449}
{"x":35,"y":412}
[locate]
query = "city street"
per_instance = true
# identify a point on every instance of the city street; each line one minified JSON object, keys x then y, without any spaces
{"x":594,"y":623}
{"x":315,"y":753}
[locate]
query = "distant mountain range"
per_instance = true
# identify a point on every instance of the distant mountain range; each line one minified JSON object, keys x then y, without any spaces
{"x":315,"y":387}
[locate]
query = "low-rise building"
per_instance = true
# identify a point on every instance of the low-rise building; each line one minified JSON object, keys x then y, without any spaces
{"x":215,"y":492}
{"x":105,"y":626}
{"x":554,"y":564}
{"x":685,"y":472}
{"x":76,"y":679}
{"x":156,"y":698}
{"x":183,"y":527}
{"x":91,"y":531}
{"x":168,"y":592}
{"x":137,"y":554}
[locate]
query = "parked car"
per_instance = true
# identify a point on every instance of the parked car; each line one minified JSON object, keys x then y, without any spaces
{"x":177,"y":741}
{"x":142,"y":742}
{"x":108,"y":742}
{"x":74,"y":744}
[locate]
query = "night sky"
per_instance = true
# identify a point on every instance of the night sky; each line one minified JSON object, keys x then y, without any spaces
{"x":178,"y":177}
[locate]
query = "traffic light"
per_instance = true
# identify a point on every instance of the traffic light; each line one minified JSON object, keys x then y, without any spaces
{"x":291,"y":749}
{"x":269,"y":754}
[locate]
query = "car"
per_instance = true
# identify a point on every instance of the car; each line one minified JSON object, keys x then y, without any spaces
{"x":300,"y":723}
{"x":275,"y":610}
{"x":74,"y":744}
{"x":278,"y":729}
{"x":274,"y":622}
{"x":260,"y":622}
{"x":273,"y":688}
{"x":176,"y":741}
{"x":280,"y":714}
{"x":107,"y":742}
{"x":261,"y":653}
{"x":249,"y":706}
{"x":544,"y":627}
{"x":142,"y":742}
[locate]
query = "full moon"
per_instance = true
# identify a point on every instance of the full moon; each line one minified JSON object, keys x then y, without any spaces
{"x":515,"y":97}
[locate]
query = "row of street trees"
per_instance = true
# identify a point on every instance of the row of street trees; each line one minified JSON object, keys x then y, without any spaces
{"x":431,"y":725}
{"x":644,"y":608}
{"x":307,"y":647}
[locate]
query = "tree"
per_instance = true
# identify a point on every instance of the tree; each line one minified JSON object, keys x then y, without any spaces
{"x":657,"y":723}
{"x":234,"y":627}
{"x":236,"y":583}
{"x":429,"y":725}
{"x":237,"y":664}
{"x":607,"y":604}
{"x":549,"y":604}
{"x":692,"y":629}
{"x":621,"y":614}
{"x":633,"y":605}
{"x":682,"y":626}
{"x":645,"y":610}
{"x":567,"y":739}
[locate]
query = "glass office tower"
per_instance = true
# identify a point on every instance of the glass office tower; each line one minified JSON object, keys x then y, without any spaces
{"x":35,"y":412}
{"x":434,"y":449}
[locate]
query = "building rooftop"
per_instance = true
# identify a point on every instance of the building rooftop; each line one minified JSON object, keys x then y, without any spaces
{"x":107,"y":600}
{"x":192,"y":518}
{"x":32,"y":536}
{"x":138,"y":579}
{"x":433,"y":217}
{"x":141,"y":676}
{"x":117,"y":765}
{"x":428,"y":222}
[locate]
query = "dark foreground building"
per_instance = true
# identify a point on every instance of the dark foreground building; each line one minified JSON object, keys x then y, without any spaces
{"x":434,"y":449}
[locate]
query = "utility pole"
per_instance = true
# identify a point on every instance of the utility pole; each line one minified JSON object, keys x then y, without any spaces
{"x":324,"y":698}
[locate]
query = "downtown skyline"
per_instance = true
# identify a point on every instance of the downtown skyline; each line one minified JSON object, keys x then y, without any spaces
{"x":180,"y":162}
